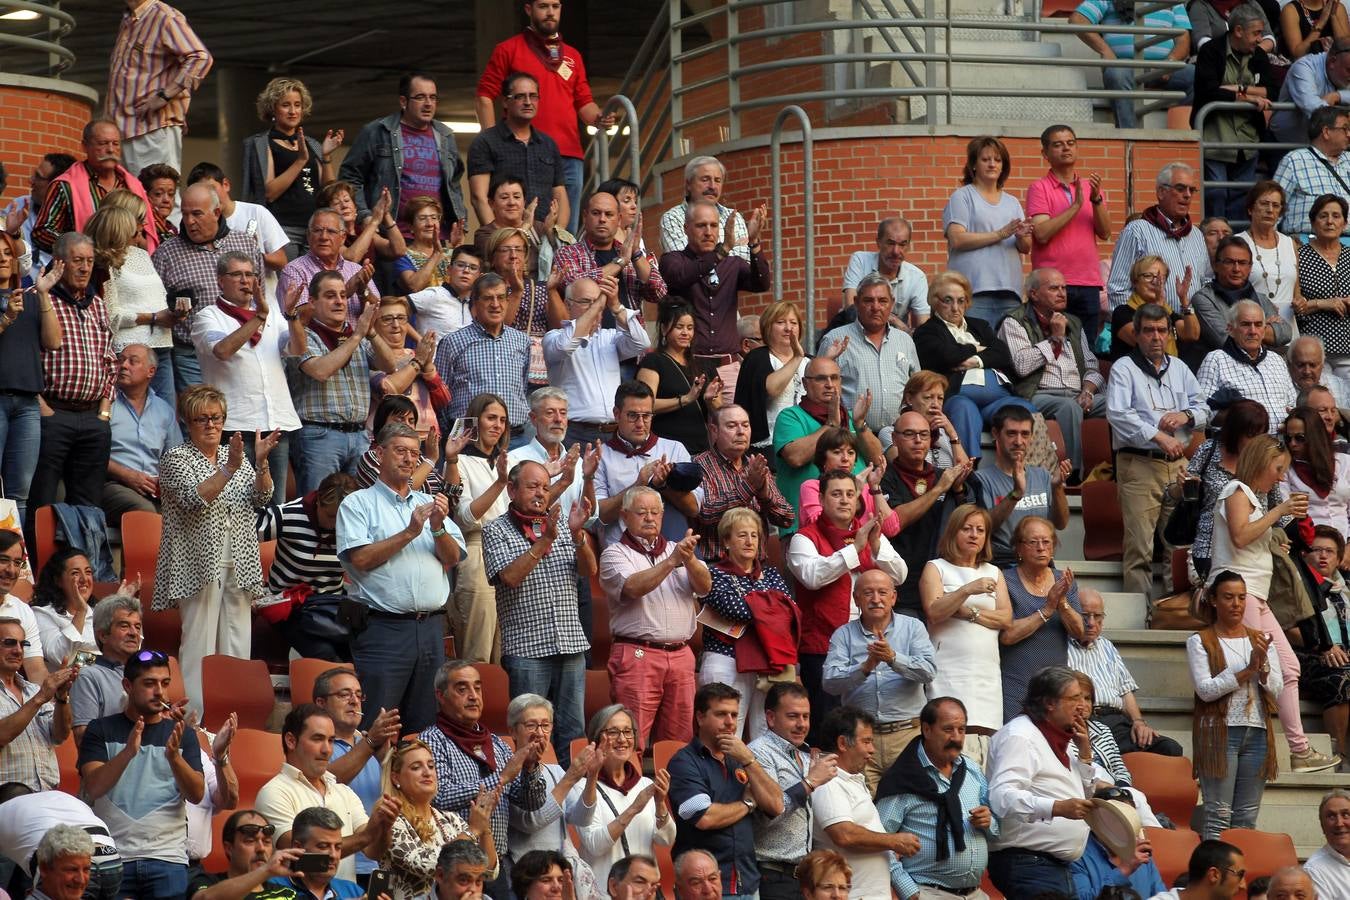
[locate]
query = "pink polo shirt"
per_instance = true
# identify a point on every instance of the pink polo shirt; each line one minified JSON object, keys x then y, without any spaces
{"x":1073,"y":251}
{"x":665,"y":615}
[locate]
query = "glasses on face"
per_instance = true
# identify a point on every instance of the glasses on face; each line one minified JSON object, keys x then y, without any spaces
{"x":17,"y":563}
{"x":204,"y":421}
{"x":251,"y":830}
{"x":1151,"y":276}
{"x":1272,"y":205}
{"x":1239,"y":874}
{"x":638,"y":416}
{"x":618,"y":734}
{"x":1231,"y":261}
{"x":393,"y":320}
{"x":347,"y":694}
{"x":826,"y":378}
{"x":911,"y":434}
{"x":537,"y":727}
{"x":1038,"y":542}
{"x":1184,"y":189}
{"x":950,"y":299}
{"x":464,"y":266}
{"x":242,"y":276}
{"x":1094,"y":617}
{"x":1295,"y":438}
{"x":521,"y":98}
{"x":331,"y":232}
{"x":11,"y":643}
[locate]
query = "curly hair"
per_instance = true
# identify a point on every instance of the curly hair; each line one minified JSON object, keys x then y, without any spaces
{"x":276,"y":90}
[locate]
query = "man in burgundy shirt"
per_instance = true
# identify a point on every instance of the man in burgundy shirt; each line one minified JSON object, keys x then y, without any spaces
{"x":564,"y":92}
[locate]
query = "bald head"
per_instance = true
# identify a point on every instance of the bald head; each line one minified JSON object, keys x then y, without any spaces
{"x":874,"y":592}
{"x":1094,"y":613}
{"x":1306,"y":358}
{"x":602,"y":219}
{"x":200,"y":206}
{"x":1291,"y":883}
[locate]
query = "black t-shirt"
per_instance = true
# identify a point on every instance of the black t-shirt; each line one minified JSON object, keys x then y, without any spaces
{"x":21,"y":348}
{"x":294,"y":207}
{"x":685,"y":425}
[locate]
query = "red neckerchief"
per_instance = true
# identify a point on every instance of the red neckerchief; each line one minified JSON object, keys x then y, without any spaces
{"x":476,"y":742}
{"x":657,"y":550}
{"x":1044,"y":321}
{"x":549,"y":50}
{"x":631,"y":776}
{"x":1306,"y":474}
{"x":1175,"y":230}
{"x":928,"y":475}
{"x":726,"y":565}
{"x":243,"y":315}
{"x":620,"y":445}
{"x":838,"y":537}
{"x":332,"y":338}
{"x":820,"y":412}
{"x":1057,"y":739}
{"x":530,"y":525}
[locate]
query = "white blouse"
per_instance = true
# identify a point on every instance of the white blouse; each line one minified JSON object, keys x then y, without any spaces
{"x":477,"y":475}
{"x":592,"y":824}
{"x":133,"y":289}
{"x":59,"y":634}
{"x":1245,"y":706}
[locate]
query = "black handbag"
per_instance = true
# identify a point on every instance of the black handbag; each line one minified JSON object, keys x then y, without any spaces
{"x":1185,"y":519}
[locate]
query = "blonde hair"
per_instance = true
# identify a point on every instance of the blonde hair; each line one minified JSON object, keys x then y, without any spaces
{"x":112,"y":229}
{"x":276,"y":91}
{"x":818,"y":864}
{"x":1256,"y":457}
{"x":197,"y":398}
{"x":502,"y":235}
{"x":735,"y":518}
{"x":960,"y":516}
{"x":935,"y":286}
{"x":393,"y":762}
{"x":125,"y":199}
{"x":1144,"y":263}
{"x":777,"y":311}
{"x":924,"y":380}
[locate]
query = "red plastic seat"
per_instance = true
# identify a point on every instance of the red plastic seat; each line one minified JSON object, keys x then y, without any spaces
{"x":1096,"y":440}
{"x":1103,"y":524}
{"x":1265,"y":852}
{"x":1167,"y":782}
{"x":141,"y":533}
{"x":597,"y":692}
{"x":242,"y":686}
{"x":496,"y":696}
{"x":257,"y":756}
{"x":1172,"y":850}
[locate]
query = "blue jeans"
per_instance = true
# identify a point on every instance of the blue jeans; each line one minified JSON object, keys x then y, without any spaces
{"x":1234,"y":800}
{"x":1228,"y":202}
{"x":522,"y":439}
{"x":974,"y":408}
{"x":1120,"y":78}
{"x":1021,"y":873}
{"x":562,"y":679}
{"x":574,"y":176}
{"x":991,"y":306}
{"x":20,"y":440}
{"x":396,"y":661}
{"x":187,"y":370}
{"x":105,"y":880}
{"x":162,"y":382}
{"x":153,"y":879}
{"x":323,"y":451}
{"x":1085,"y":302}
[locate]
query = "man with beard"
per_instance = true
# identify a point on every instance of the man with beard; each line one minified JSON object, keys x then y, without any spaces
{"x":923,"y":495}
{"x":76,"y":193}
{"x":247,"y":839}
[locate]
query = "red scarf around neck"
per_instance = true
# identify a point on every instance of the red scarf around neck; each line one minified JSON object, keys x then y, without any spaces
{"x":1305,"y":472}
{"x":631,"y":776}
{"x":1058,"y":740}
{"x":657,"y":550}
{"x":838,"y":537}
{"x":476,"y":742}
{"x":530,"y":525}
{"x":331,"y":337}
{"x":1158,"y":219}
{"x":548,"y":49}
{"x":820,"y":412}
{"x":620,"y":445}
{"x":756,"y":571}
{"x":243,"y":315}
{"x":1056,"y":344}
{"x":928,"y":475}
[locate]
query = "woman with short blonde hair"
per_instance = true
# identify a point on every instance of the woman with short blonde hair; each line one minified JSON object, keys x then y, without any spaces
{"x":771,"y":376}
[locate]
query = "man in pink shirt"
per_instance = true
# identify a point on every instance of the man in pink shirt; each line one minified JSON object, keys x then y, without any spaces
{"x":1069,"y":216}
{"x":652,"y":585}
{"x":564,"y":92}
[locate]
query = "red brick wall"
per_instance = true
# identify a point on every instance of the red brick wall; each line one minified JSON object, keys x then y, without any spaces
{"x":859,"y":181}
{"x":34,"y":122}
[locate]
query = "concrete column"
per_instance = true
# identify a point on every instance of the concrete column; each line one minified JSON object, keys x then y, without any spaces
{"x":237,"y":89}
{"x":494,"y":22}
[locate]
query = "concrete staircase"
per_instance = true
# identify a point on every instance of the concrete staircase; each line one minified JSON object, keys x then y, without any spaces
{"x":1157,"y":660}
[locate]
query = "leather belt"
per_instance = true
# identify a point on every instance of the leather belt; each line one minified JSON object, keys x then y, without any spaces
{"x":602,"y":427}
{"x":722,"y":359}
{"x":77,"y":406}
{"x":669,"y":647}
{"x":348,"y":427}
{"x":778,"y":866}
{"x":405,"y":617}
{"x":893,"y":727}
{"x":960,"y":892}
{"x":1151,"y":454}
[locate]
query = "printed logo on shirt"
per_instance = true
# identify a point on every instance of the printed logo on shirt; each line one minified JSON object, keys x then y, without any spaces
{"x":1030,"y":501}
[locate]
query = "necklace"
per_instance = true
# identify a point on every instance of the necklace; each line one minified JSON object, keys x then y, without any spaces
{"x":1265,"y":274}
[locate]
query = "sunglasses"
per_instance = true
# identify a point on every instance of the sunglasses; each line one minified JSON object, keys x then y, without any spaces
{"x":251,"y":830}
{"x":11,"y":643}
{"x":152,"y":656}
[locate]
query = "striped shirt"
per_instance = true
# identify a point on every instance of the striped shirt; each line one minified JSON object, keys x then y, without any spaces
{"x":1141,"y":238}
{"x":1101,"y":662}
{"x":82,"y":369}
{"x":1106,"y":752}
{"x":155,"y":50}
{"x":305,"y":555}
{"x":58,"y":210}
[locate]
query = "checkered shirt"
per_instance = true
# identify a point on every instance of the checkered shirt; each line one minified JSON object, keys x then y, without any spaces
{"x":472,"y":362}
{"x":1265,"y":380}
{"x":458,"y":779}
{"x":183,"y":265}
{"x":539,"y":618}
{"x":82,"y":369}
{"x":344,"y":397}
{"x":578,"y":261}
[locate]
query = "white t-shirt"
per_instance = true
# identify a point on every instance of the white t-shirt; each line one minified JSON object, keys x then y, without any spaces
{"x":14,"y":608}
{"x":24,"y":820}
{"x":845,"y":798}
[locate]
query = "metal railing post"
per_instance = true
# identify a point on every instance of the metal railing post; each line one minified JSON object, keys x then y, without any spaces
{"x":930,"y":61}
{"x":733,"y":70}
{"x":676,"y":79}
{"x":602,"y":143}
{"x":1205,"y":145}
{"x":808,"y":201}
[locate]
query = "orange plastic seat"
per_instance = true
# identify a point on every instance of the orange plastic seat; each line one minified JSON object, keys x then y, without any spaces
{"x":256,"y":756}
{"x":1264,"y":851}
{"x":666,"y":863}
{"x":67,"y":755}
{"x":597,"y":692}
{"x":662,"y":751}
{"x":1167,"y":782}
{"x":162,"y":629}
{"x":44,"y":536}
{"x":1172,"y":850}
{"x":242,"y":686}
{"x":215,"y":861}
{"x":304,"y":671}
{"x":496,"y":696}
{"x":141,"y":533}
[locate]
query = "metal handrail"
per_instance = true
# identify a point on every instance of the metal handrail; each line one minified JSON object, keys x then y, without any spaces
{"x":808,"y":201}
{"x":52,"y":24}
{"x":1204,"y":112}
{"x":602,"y":140}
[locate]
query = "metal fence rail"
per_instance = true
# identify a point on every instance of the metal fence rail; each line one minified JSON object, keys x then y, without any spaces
{"x":809,"y":212}
{"x":1209,"y":109}
{"x":32,"y":46}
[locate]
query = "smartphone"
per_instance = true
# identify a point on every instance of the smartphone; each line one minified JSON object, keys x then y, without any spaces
{"x":379,"y":884}
{"x":466,"y":426}
{"x":313,"y":863}
{"x":1190,"y":489}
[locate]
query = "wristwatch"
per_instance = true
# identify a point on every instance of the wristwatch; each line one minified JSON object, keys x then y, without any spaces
{"x":750,"y":803}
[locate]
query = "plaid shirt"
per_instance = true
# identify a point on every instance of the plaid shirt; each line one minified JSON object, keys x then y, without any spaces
{"x":303,"y":268}
{"x":1305,"y":175}
{"x":344,"y":397}
{"x":1264,"y":379}
{"x":458,"y":778}
{"x":539,"y":618}
{"x":82,"y":370}
{"x":155,"y":50}
{"x":724,"y":488}
{"x":471,"y":362}
{"x":578,"y":261}
{"x":536,"y":161}
{"x":785,"y":838}
{"x":185,"y":266}
{"x":29,"y":758}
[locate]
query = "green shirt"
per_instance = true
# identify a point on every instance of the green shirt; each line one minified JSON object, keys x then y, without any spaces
{"x":792,"y":423}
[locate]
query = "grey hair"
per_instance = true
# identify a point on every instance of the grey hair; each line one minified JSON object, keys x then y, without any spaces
{"x":601,"y":719}
{"x":893,"y":220}
{"x":631,"y":495}
{"x":460,"y":851}
{"x":87,"y":134}
{"x":1036,"y":276}
{"x":679,"y":860}
{"x":393,"y":430}
{"x":748,"y":326}
{"x":518,"y":706}
{"x":316,"y":817}
{"x":63,"y":840}
{"x":1244,"y":15}
{"x":1169,"y":171}
{"x":1045,"y":687}
{"x":689,"y":210}
{"x":699,"y":162}
{"x":1237,"y":308}
{"x":1333,"y":794}
{"x":323,"y":685}
{"x":872,"y":280}
{"x":1312,"y":341}
{"x":322,"y":211}
{"x":570,"y":292}
{"x":232,"y":256}
{"x":68,"y":242}
{"x":546,"y":393}
{"x":105,"y":608}
{"x":442,"y":679}
{"x":213,"y":199}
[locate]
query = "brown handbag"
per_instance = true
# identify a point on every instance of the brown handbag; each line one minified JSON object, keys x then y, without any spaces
{"x":1176,"y":613}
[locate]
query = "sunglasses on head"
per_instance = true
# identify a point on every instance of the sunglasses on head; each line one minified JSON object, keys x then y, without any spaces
{"x":152,"y":656}
{"x":252,"y":830}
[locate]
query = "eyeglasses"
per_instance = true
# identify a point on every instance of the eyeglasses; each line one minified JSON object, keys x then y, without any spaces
{"x":464,"y":266}
{"x":1185,"y":189}
{"x":521,"y":98}
{"x":393,"y":320}
{"x":11,"y":643}
{"x":251,"y":830}
{"x":1094,"y":617}
{"x":912,"y":434}
{"x":152,"y":656}
{"x":204,"y":421}
{"x":1239,"y":874}
{"x":1038,"y":542}
{"x":825,"y":378}
{"x":18,"y":563}
{"x":617,"y":734}
{"x":1272,"y":204}
{"x":537,"y":727}
{"x":331,"y":232}
{"x":243,"y":276}
{"x":1292,"y":438}
{"x":638,"y":416}
{"x":347,"y":694}
{"x":1230,"y":261}
{"x":1152,"y":276}
{"x":948,"y":298}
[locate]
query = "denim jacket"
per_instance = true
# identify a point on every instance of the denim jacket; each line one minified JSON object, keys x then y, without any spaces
{"x":375,"y":162}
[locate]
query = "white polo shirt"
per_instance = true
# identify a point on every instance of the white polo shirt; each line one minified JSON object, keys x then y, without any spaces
{"x":289,"y":792}
{"x":845,"y":798}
